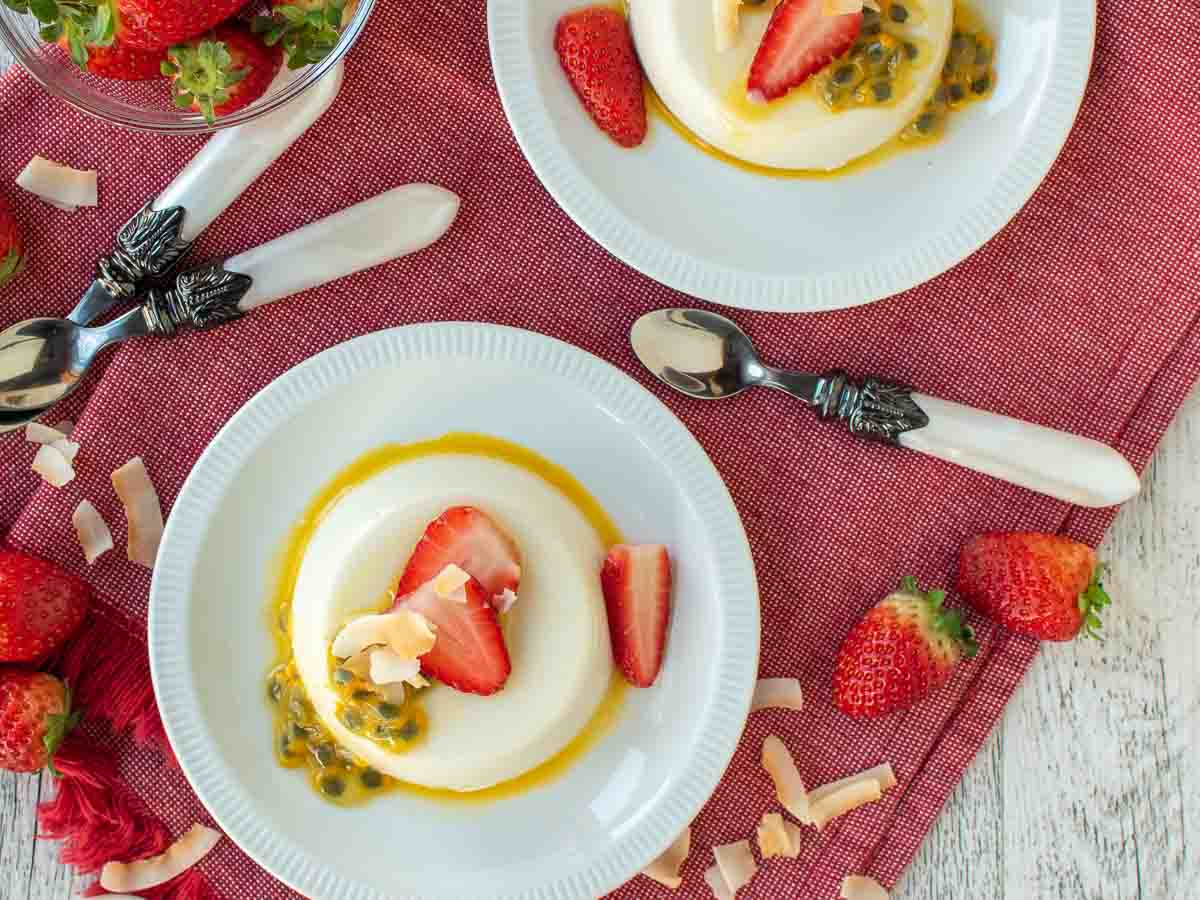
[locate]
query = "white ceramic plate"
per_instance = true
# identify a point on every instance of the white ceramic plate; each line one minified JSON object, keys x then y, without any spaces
{"x":757,"y":242}
{"x":621,"y":804}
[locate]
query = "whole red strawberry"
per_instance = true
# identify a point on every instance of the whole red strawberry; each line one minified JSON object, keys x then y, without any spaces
{"x":40,"y":607}
{"x":596,"y":51}
{"x":12,"y":251}
{"x":221,"y":72}
{"x":118,"y":61}
{"x":35,"y":716}
{"x":82,"y":26}
{"x":1043,"y":585}
{"x":904,"y":647}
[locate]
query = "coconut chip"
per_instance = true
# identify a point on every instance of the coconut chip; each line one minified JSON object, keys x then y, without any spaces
{"x":92,"y":530}
{"x":504,"y":601}
{"x":142,"y":511}
{"x":59,"y":185}
{"x":389,"y":667}
{"x":68,"y":449}
{"x":716,"y":883}
{"x":449,"y":583}
{"x":789,"y":786}
{"x":665,"y":869}
{"x":840,"y":7}
{"x":156,"y":870}
{"x":736,"y":863}
{"x":780,"y":693}
{"x":843,"y":800}
{"x":406,"y":632}
{"x":54,"y":468}
{"x":882,"y":773}
{"x":37,"y":433}
{"x":774,"y":839}
{"x":795,"y":837}
{"x":862,"y":887}
{"x":725,"y":23}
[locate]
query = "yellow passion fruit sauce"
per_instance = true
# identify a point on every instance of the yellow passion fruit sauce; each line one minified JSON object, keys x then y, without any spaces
{"x":396,"y":720}
{"x":875,"y":71}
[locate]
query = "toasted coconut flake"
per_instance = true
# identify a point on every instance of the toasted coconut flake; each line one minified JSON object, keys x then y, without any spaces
{"x":773,"y":837}
{"x":665,"y":869}
{"x":841,"y":7}
{"x":54,"y":468}
{"x":68,"y":449}
{"x":781,"y":693}
{"x":156,"y":870}
{"x":92,"y":530}
{"x":406,"y":632}
{"x":389,"y":667}
{"x":450,"y":580}
{"x":59,"y":185}
{"x":843,"y":800}
{"x":142,"y":511}
{"x":789,"y":786}
{"x":795,"y":837}
{"x":37,"y":433}
{"x":882,"y":774}
{"x":359,"y":664}
{"x":736,"y":863}
{"x":505,"y":601}
{"x":716,"y":883}
{"x":862,"y":887}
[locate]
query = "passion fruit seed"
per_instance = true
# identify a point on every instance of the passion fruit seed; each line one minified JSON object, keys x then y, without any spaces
{"x":302,"y":732}
{"x":898,"y":13}
{"x":870,"y":30}
{"x":911,"y":50}
{"x":925,"y":123}
{"x":362,"y":695}
{"x":981,"y":84}
{"x":274,"y":689}
{"x":332,"y":786}
{"x":408,"y":731}
{"x":983,"y":55}
{"x":324,"y":755}
{"x":388,"y":710}
{"x":351,"y":719}
{"x":370,"y":778}
{"x":955,"y":93}
{"x":342,"y":676}
{"x":881,"y":91}
{"x":845,"y":75}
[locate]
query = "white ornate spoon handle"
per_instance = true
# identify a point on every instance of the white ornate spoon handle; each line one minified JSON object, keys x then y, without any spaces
{"x":390,"y":225}
{"x":1061,"y":465}
{"x":1067,"y":466}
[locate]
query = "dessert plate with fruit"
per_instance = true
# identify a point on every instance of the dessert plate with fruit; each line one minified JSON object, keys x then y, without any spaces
{"x":791,"y":155}
{"x":454,"y":611}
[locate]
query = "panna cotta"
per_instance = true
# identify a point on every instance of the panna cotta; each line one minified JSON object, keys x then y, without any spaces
{"x":556,"y":633}
{"x":706,"y":87}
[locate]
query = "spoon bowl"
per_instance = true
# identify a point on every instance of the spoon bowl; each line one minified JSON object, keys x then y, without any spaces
{"x":700,"y":353}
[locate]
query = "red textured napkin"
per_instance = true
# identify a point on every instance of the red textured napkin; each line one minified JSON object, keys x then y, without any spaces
{"x":1082,"y":314}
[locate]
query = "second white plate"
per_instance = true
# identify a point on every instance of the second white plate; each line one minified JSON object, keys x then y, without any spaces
{"x":734,"y":237}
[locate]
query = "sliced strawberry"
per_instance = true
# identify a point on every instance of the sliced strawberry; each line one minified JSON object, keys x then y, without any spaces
{"x":800,"y":41}
{"x":469,"y":654}
{"x":637,"y":591}
{"x":468,"y":538}
{"x":596,"y":52}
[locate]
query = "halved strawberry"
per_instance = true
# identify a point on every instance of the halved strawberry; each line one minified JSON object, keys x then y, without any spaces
{"x":637,"y":591}
{"x":468,"y":538}
{"x":800,"y":40}
{"x":595,"y":49}
{"x":469,"y":653}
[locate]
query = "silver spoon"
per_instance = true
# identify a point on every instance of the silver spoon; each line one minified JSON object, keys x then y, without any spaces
{"x":43,"y":360}
{"x":707,"y":356}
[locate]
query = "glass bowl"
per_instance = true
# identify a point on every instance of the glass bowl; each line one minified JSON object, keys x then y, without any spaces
{"x":146,"y":105}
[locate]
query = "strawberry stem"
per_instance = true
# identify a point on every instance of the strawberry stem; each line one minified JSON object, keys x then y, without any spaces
{"x":948,"y":621}
{"x":1093,"y":599}
{"x":202,"y":74}
{"x":58,"y":726}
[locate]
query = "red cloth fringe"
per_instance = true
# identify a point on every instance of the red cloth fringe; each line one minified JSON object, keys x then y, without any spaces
{"x":109,"y":673}
{"x":99,"y":820}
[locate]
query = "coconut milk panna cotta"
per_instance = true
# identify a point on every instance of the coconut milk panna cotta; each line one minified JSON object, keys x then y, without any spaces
{"x":454,"y":616}
{"x":793,"y":85}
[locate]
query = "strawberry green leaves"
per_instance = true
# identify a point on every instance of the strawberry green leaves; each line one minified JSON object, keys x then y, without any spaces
{"x":58,"y":726}
{"x":202,"y":75}
{"x":308,"y":33}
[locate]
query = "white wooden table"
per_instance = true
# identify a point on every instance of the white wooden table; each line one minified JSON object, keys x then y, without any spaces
{"x":1085,"y":790}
